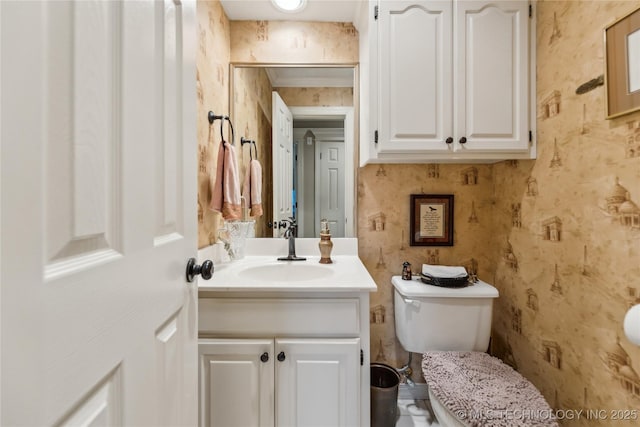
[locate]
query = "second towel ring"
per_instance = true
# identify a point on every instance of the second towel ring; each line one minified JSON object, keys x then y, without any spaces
{"x":244,"y":140}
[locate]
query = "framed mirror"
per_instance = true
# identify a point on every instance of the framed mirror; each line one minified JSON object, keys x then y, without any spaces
{"x":314,"y":177}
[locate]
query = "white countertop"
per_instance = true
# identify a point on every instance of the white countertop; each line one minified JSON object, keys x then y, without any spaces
{"x":260,"y":271}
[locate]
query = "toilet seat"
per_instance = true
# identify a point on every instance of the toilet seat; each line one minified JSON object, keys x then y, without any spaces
{"x":478,"y":388}
{"x":444,"y":416}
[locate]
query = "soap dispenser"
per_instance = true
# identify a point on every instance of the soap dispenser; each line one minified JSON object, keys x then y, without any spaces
{"x":325,"y":243}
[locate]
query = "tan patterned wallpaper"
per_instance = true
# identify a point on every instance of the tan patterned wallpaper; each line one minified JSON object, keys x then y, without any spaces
{"x":383,"y":235}
{"x":288,"y":42}
{"x":212,"y":80}
{"x":568,"y":227}
{"x":252,"y":119}
{"x":317,"y":96}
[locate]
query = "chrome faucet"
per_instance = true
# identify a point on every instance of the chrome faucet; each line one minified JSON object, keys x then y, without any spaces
{"x":290,"y":226}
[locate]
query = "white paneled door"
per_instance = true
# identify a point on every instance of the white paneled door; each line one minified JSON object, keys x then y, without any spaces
{"x":282,"y":135}
{"x":98,"y":213}
{"x":330,"y":186}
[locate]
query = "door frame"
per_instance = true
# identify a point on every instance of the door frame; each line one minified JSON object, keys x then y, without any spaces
{"x":347,"y":116}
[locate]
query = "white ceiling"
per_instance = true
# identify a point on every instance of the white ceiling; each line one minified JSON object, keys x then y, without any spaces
{"x":315,"y":10}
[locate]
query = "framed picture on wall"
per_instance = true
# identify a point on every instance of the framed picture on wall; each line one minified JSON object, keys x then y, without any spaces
{"x":431,"y":220}
{"x":622,"y":70}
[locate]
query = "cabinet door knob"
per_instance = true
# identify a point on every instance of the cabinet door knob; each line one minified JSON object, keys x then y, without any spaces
{"x":449,"y":140}
{"x":281,"y":356}
{"x":463,"y":140}
{"x":264,"y":358}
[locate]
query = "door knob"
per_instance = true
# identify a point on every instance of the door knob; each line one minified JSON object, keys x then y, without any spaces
{"x":193,"y":269}
{"x":449,"y":140}
{"x":463,"y":140}
{"x":281,"y":356}
{"x":264,"y":357}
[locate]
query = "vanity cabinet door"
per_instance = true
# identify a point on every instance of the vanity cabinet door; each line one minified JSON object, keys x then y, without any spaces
{"x":236,"y":382}
{"x":317,"y":382}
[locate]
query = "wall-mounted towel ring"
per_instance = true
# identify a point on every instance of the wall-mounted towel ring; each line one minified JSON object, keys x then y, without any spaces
{"x":211,"y":117}
{"x":233,"y":136}
{"x":243,"y":141}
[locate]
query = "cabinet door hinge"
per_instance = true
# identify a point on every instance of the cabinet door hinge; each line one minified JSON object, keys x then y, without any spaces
{"x":375,"y":12}
{"x":361,"y":357}
{"x":375,"y":136}
{"x":530,"y":11}
{"x":530,"y":136}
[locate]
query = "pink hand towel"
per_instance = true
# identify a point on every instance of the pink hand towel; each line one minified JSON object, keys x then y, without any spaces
{"x":252,"y":190}
{"x":226,"y":190}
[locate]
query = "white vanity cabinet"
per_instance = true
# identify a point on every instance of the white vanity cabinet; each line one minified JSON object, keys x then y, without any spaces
{"x":285,"y":359}
{"x":446,"y":81}
{"x":236,"y":382}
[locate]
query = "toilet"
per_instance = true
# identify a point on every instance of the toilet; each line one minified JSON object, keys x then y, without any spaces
{"x":451,"y":328}
{"x":433,"y":318}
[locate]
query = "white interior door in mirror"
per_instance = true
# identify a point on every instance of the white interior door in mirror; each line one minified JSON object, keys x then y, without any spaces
{"x":330,"y":186}
{"x":282,"y":125}
{"x":98,"y":324}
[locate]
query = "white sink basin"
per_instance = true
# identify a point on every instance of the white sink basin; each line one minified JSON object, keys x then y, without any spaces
{"x":297,"y":271}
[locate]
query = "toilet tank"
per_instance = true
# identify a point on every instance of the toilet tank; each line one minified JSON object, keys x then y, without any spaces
{"x":433,"y":318}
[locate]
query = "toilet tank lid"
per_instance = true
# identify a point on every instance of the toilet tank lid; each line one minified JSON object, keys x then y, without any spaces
{"x":415,"y":288}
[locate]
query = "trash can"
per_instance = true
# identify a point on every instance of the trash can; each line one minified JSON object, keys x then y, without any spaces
{"x":384,"y":395}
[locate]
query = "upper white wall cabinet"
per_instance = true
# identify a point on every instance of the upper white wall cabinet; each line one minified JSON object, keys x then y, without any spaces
{"x":446,"y":81}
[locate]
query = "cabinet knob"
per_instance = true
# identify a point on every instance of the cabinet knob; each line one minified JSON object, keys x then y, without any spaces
{"x":264,"y":357}
{"x":463,"y":140}
{"x":281,"y":356}
{"x":449,"y":140}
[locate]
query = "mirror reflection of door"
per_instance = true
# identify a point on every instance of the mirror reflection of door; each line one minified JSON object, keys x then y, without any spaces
{"x":330,"y":186}
{"x":314,"y":94}
{"x":282,"y":128}
{"x":319,"y":175}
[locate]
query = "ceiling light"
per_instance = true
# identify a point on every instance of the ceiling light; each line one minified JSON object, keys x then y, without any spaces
{"x":290,"y":5}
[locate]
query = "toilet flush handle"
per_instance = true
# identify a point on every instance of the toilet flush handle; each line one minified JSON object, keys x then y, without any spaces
{"x":410,"y":301}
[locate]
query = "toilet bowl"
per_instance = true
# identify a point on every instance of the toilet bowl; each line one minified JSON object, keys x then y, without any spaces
{"x":444,"y":416}
{"x":433,"y":318}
